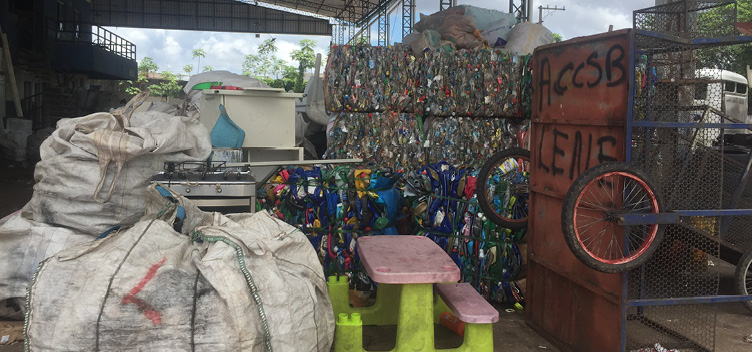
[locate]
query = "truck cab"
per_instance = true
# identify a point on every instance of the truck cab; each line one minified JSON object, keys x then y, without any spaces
{"x":728,"y":94}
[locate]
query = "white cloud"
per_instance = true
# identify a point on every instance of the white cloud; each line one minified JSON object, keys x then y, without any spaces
{"x":171,"y":49}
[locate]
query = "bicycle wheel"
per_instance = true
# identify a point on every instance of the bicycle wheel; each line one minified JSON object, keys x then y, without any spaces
{"x":743,"y":277}
{"x":591,"y":211}
{"x":503,"y":188}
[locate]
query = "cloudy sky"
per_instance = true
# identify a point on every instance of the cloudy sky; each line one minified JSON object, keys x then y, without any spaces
{"x":171,"y":50}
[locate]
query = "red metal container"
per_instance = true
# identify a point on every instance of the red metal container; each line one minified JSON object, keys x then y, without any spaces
{"x":579,"y":116}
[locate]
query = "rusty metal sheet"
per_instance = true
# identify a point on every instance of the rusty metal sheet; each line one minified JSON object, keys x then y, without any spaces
{"x":560,"y":153}
{"x":571,"y":314}
{"x":580,"y":108}
{"x":745,"y":28}
{"x":550,"y":249}
{"x":584,"y":79}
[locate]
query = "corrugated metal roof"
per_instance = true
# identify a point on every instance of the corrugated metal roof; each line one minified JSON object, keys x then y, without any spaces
{"x":205,"y":15}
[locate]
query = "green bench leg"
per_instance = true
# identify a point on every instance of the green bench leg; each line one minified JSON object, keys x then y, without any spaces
{"x":415,"y":322}
{"x":478,"y":338}
{"x":348,"y":333}
{"x":383,"y":312}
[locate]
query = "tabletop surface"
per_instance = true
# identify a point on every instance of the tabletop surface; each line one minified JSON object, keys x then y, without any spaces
{"x":403,"y":259}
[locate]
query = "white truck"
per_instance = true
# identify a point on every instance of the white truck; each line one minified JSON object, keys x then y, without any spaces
{"x":727,"y":93}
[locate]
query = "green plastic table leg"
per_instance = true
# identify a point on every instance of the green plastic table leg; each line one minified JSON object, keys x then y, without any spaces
{"x":348,"y":333}
{"x":339,"y":294}
{"x":478,"y":337}
{"x":415,"y":322}
{"x":383,"y":312}
{"x":439,"y":307}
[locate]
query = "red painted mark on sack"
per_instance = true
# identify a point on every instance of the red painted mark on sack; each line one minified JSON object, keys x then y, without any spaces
{"x":149,"y":311}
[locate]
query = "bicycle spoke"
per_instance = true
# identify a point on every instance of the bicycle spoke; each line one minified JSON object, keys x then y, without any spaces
{"x":602,"y":201}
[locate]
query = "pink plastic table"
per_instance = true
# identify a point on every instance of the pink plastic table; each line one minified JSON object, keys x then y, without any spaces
{"x":414,"y":263}
{"x":406,"y":260}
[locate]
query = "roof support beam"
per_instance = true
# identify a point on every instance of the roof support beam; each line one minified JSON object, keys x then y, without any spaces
{"x":205,"y":15}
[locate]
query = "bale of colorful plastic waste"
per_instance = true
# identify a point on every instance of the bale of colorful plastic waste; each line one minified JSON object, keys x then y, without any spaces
{"x":389,"y":139}
{"x":440,"y":82}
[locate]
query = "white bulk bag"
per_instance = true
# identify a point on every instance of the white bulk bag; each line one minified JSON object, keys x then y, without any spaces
{"x":23,"y":244}
{"x":245,"y":282}
{"x":94,"y":169}
{"x":525,"y":37}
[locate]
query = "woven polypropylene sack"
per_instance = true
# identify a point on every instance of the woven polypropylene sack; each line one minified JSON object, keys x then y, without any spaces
{"x":94,"y":169}
{"x":242,"y":282}
{"x":525,"y":37}
{"x":24,"y":243}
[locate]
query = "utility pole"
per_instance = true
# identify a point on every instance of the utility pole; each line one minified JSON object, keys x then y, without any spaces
{"x":523,"y":10}
{"x":541,"y":8}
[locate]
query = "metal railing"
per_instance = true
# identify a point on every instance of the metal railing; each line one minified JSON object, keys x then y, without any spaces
{"x":78,"y":32}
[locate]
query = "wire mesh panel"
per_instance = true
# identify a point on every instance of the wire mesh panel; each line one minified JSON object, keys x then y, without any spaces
{"x":735,"y":230}
{"x":667,"y":326}
{"x":679,"y":89}
{"x":686,"y":18}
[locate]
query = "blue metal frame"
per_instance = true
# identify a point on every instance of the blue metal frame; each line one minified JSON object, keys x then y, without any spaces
{"x":696,"y":42}
{"x":714,"y":212}
{"x":649,"y":219}
{"x":674,"y":217}
{"x":688,"y":300}
{"x":658,"y":124}
{"x":628,"y":151}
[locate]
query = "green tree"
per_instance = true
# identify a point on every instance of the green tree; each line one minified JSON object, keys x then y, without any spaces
{"x":207,"y":68}
{"x":558,"y":38}
{"x":306,"y":58}
{"x":188,"y":69}
{"x":299,"y":85}
{"x":717,"y":22}
{"x":268,"y":48}
{"x":290,"y":73}
{"x":251,"y":65}
{"x":305,"y":55}
{"x":278,"y":67}
{"x":199,"y":53}
{"x":147,"y":65}
{"x":132,"y":88}
{"x":262,"y":64}
{"x":167,"y":87}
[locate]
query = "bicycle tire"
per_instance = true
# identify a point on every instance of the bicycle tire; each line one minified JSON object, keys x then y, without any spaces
{"x":482,"y":191}
{"x":575,"y":208}
{"x":743,"y":278}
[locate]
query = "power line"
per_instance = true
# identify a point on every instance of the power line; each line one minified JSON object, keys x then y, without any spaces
{"x":541,"y":8}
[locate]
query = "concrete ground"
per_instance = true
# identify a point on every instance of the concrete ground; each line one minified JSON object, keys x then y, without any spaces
{"x":511,"y":333}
